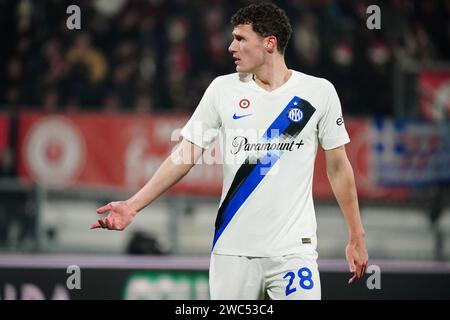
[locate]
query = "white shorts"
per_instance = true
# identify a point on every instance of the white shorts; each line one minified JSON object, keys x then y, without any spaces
{"x":290,"y":277}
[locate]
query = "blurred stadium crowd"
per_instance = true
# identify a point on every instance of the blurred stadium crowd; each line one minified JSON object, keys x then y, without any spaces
{"x":160,"y":55}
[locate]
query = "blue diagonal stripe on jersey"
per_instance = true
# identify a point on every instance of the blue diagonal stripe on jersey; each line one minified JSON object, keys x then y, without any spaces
{"x":245,"y":189}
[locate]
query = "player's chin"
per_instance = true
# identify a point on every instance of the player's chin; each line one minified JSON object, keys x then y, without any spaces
{"x":241,"y":69}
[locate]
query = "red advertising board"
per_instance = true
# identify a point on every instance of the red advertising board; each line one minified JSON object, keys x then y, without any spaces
{"x":124,"y":151}
{"x":104,"y":150}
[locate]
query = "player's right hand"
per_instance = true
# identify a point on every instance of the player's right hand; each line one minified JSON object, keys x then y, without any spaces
{"x":120,"y":216}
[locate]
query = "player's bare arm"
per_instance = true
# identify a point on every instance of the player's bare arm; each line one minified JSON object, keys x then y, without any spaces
{"x":172,"y":170}
{"x":340,"y":175}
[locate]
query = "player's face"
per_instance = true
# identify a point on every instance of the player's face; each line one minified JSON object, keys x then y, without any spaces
{"x":247,"y":48}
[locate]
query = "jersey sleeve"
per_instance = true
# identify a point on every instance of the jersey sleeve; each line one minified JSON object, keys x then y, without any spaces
{"x":331,"y":127}
{"x":203,"y":126}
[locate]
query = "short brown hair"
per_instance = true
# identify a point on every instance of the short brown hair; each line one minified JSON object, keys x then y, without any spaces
{"x":267,"y":19}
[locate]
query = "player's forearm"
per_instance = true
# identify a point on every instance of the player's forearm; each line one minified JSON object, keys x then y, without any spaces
{"x":343,"y":184}
{"x":175,"y":167}
{"x":165,"y":177}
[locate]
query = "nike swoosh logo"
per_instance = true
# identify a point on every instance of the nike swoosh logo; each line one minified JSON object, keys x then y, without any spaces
{"x":235,"y":116}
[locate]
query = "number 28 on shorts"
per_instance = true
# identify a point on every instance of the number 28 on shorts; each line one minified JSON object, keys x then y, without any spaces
{"x":302,"y":280}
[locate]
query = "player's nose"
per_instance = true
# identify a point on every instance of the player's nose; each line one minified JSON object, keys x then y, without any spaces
{"x":232,"y":48}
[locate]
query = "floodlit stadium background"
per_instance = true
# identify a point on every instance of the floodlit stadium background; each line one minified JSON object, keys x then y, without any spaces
{"x":86,"y":116}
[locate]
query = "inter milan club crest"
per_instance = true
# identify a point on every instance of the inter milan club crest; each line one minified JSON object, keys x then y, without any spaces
{"x":244,"y":103}
{"x":295,"y":115}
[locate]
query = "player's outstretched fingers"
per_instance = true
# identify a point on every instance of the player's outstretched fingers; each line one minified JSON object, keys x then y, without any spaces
{"x":364,"y":269}
{"x":101,"y":223}
{"x":104,"y":208}
{"x":351,"y":265}
{"x":357,"y":270}
{"x":352,"y":279}
{"x":95,"y":226}
{"x":361,"y":269}
{"x":352,"y":268}
{"x":108,"y":224}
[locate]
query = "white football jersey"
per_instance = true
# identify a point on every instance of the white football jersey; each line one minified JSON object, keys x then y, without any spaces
{"x":268,"y":142}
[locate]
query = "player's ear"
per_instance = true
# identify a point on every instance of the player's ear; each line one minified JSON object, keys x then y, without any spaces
{"x":271,"y":43}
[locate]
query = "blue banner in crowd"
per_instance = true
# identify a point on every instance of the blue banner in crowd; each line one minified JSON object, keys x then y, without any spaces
{"x":411,"y":153}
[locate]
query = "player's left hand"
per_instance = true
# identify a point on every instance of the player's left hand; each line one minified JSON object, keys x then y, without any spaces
{"x":357,"y":257}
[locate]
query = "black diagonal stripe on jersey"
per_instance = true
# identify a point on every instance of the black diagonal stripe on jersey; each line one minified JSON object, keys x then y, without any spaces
{"x":239,"y":178}
{"x":293,"y":130}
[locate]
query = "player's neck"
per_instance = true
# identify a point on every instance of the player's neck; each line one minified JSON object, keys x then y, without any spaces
{"x":272,"y":76}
